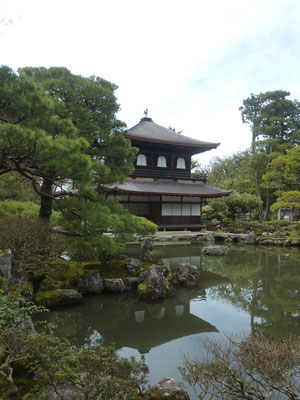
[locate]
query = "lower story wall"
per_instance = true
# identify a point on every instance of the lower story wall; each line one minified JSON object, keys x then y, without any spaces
{"x":170,"y":210}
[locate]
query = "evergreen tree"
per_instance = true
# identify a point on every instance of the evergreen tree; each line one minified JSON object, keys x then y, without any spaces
{"x":60,"y":131}
{"x":275,"y":126}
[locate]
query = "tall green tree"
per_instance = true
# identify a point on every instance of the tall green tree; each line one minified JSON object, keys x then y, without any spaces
{"x":36,"y":143}
{"x":223,"y":173}
{"x":275,"y":126}
{"x":284,"y":171}
{"x":60,"y":131}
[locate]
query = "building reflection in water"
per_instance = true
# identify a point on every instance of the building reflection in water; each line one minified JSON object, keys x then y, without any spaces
{"x":129,"y":322}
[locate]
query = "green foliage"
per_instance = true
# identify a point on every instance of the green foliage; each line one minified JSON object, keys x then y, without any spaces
{"x":15,"y":334}
{"x":272,"y":116}
{"x":15,"y":311}
{"x":92,"y":106}
{"x":60,"y":128}
{"x":11,"y":208}
{"x":60,"y":132}
{"x":35,"y":141}
{"x":233,"y":204}
{"x":284,"y":171}
{"x":104,"y":224}
{"x":275,"y":126}
{"x":295,"y":231}
{"x":288,"y":200}
{"x":276,"y":223}
{"x":223,"y":173}
{"x":13,"y":186}
{"x":90,"y":372}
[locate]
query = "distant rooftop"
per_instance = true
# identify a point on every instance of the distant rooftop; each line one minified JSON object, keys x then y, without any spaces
{"x":148,"y":131}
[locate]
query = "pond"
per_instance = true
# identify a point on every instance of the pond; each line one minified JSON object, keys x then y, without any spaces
{"x":249,"y":288}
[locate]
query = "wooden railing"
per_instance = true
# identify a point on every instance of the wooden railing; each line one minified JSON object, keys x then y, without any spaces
{"x":157,"y":174}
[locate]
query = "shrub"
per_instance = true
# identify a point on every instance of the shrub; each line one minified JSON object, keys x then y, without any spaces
{"x":88,"y":372}
{"x":246,"y":367}
{"x":91,"y":373}
{"x":12,"y":208}
{"x":32,"y":243}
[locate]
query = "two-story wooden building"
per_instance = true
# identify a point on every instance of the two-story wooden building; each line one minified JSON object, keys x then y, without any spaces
{"x":162,"y":188}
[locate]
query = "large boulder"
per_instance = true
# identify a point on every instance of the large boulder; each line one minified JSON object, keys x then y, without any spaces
{"x":132,"y":283}
{"x":91,"y":282}
{"x":114,"y":285}
{"x":10,"y":270}
{"x":155,"y":283}
{"x":6,"y":265}
{"x":214,"y":251}
{"x":250,"y":238}
{"x":168,"y":389}
{"x":58,"y":297}
{"x":134,"y":265}
{"x":186,"y":274}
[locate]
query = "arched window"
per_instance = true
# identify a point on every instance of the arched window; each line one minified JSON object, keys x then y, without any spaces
{"x":180,"y":163}
{"x":162,"y":162}
{"x":141,"y":160}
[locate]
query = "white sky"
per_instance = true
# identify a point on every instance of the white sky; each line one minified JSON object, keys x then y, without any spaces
{"x":191,"y":62}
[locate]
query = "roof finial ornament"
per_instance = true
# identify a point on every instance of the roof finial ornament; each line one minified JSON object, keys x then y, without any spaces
{"x":145,"y":117}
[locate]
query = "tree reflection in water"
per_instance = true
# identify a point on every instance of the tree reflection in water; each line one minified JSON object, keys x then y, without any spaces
{"x":264,"y":283}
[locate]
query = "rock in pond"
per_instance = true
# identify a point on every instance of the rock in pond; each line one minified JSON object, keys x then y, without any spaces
{"x":168,"y":389}
{"x":213,"y":251}
{"x":115,"y":285}
{"x":154,"y":285}
{"x":186,"y":274}
{"x":134,"y":265}
{"x":132,"y":283}
{"x":58,"y":297}
{"x":91,"y":282}
{"x":250,"y":238}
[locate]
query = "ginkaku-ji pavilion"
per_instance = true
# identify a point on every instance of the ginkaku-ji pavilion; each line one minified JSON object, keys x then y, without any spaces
{"x":161,"y":187}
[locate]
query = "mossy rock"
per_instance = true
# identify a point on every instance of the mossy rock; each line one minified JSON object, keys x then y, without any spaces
{"x":115,"y":269}
{"x":27,"y":290}
{"x":71,"y":274}
{"x":155,"y":284}
{"x":58,"y":297}
{"x":155,"y":393}
{"x":142,"y":289}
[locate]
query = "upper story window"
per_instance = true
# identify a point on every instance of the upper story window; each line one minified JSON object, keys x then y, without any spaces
{"x":162,"y":162}
{"x":180,"y":163}
{"x":141,"y":160}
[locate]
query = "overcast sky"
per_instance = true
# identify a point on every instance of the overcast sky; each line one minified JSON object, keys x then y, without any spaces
{"x":191,"y":62}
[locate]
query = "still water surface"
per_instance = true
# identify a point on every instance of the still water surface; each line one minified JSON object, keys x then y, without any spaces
{"x":248,"y":289}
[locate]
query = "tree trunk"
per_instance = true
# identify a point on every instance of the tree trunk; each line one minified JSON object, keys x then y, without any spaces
{"x":258,"y":194}
{"x":46,"y":200}
{"x":268,"y":199}
{"x":268,"y":204}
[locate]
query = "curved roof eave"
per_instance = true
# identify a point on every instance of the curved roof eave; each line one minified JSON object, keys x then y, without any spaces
{"x":206,"y":146}
{"x":148,"y":131}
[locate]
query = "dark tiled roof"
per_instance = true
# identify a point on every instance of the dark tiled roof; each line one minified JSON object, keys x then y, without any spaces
{"x":147,"y":130}
{"x":169,"y":187}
